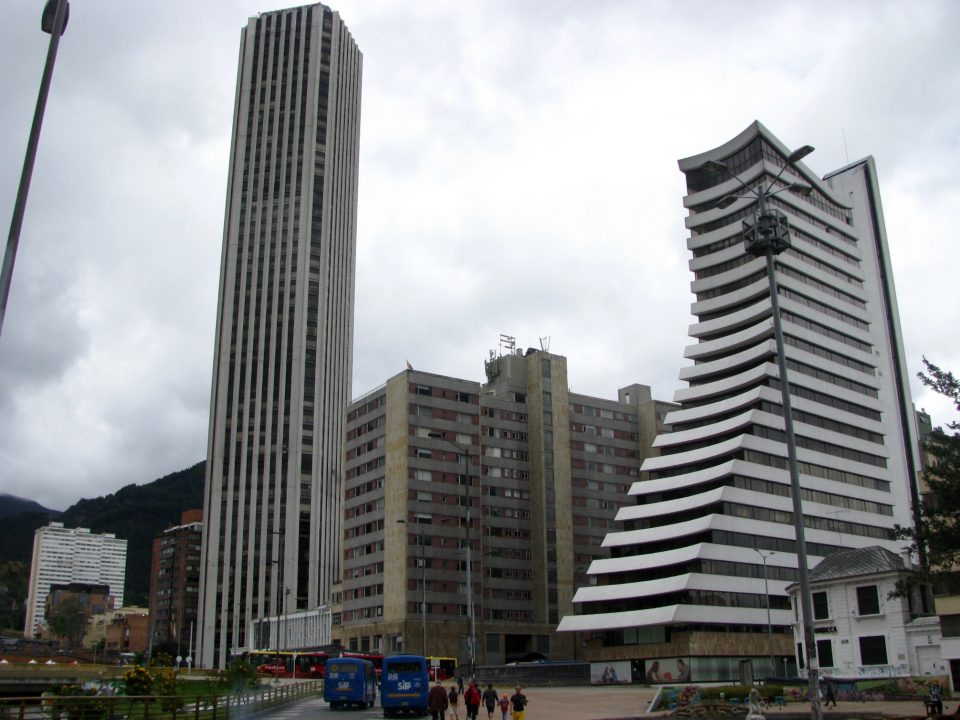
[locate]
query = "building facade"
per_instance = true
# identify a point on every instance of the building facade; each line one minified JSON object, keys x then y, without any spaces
{"x":711,"y":526}
{"x":72,"y":555}
{"x":175,"y":581}
{"x":80,"y":600}
{"x":284,"y":344}
{"x":542,"y":472}
{"x":861,"y":630}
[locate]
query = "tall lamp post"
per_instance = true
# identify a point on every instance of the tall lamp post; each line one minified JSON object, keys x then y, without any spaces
{"x":471,"y":620}
{"x":53,"y":21}
{"x":768,"y":235}
{"x":766,"y":592}
{"x":423,"y":588}
{"x":280,"y":590}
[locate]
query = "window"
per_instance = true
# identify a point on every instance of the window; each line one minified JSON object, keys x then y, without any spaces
{"x":873,"y":650}
{"x":868,"y":601}
{"x":820,"y":609}
{"x":825,"y":653}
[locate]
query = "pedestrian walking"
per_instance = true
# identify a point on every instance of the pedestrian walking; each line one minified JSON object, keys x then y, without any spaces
{"x":504,"y":707}
{"x":936,"y":698}
{"x":519,"y":702}
{"x":437,"y":701}
{"x":460,"y":683}
{"x":453,"y":699}
{"x":829,"y":694}
{"x":490,"y":700}
{"x":471,"y":698}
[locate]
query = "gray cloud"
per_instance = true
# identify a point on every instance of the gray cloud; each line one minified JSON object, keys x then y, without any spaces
{"x":518,"y":175}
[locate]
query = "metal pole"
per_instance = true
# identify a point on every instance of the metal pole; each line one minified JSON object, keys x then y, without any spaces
{"x":16,"y":223}
{"x":766,"y":592}
{"x":423,"y":594}
{"x":471,"y":653}
{"x":805,"y":604}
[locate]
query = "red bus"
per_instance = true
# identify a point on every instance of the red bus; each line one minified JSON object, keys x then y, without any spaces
{"x":441,"y":668}
{"x":302,"y":663}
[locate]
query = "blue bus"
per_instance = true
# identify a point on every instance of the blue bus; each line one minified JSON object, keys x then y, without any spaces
{"x":404,"y":685}
{"x":349,"y":682}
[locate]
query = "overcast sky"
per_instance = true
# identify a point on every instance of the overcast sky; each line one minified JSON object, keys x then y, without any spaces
{"x":518,"y":175}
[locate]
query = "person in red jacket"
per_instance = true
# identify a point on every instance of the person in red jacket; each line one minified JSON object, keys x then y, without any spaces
{"x":471,"y":699}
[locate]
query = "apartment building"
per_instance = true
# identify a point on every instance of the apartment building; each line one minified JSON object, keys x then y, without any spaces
{"x":472,"y":510}
{"x":175,"y":581}
{"x":64,"y":555}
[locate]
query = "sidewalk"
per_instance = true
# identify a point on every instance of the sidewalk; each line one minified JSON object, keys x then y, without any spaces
{"x":624,"y":702}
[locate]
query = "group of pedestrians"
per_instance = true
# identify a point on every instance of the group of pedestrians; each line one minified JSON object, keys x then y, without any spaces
{"x":444,"y":704}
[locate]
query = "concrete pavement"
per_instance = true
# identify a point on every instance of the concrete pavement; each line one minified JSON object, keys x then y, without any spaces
{"x":622,"y":702}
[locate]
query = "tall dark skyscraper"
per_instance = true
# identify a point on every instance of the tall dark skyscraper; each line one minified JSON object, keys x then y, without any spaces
{"x":284,"y":347}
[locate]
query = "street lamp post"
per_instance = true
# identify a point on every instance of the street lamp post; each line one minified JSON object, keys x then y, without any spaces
{"x":471,"y":620}
{"x":766,"y":592}
{"x":53,"y":21}
{"x":766,"y":236}
{"x":280,"y":590}
{"x":423,"y":588}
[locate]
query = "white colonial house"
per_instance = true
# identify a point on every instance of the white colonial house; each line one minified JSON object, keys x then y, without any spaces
{"x":861,"y":631}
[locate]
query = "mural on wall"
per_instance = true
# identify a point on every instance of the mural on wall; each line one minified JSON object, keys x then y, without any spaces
{"x":614,"y":672}
{"x":668,"y":670}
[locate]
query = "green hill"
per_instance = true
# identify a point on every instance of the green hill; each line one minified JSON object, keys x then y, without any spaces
{"x":136,"y":513}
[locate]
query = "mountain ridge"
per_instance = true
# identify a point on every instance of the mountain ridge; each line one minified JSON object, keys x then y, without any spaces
{"x":136,"y":513}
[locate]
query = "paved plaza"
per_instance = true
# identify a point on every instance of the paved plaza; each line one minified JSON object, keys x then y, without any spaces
{"x":619,"y":702}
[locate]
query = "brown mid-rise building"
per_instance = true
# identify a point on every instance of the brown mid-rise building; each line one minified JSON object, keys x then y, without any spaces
{"x":175,"y":581}
{"x":539,"y":471}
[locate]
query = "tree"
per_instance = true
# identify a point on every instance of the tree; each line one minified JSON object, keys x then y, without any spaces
{"x":937,"y":536}
{"x":14,"y":576}
{"x":67,"y":620}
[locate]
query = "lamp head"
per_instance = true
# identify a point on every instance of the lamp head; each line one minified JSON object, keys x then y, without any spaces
{"x":800,"y":153}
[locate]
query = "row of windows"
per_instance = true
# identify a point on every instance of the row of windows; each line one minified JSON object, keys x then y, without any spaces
{"x":368,"y":549}
{"x":366,"y":427}
{"x":370,"y":466}
{"x":818,"y":496}
{"x":442,"y":393}
{"x":368,"y":406}
{"x":785,"y":517}
{"x":822,"y":287}
{"x":364,"y":529}
{"x":822,"y":422}
{"x":832,"y":378}
{"x":364,"y":488}
{"x":825,"y":331}
{"x":506,"y":453}
{"x":363,"y":570}
{"x":362,"y":592}
{"x":829,"y":355}
{"x":494,"y":491}
{"x":824,"y":309}
{"x":820,"y":446}
{"x":577,"y":408}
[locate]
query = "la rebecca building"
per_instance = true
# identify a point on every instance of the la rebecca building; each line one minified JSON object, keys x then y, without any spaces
{"x":542,"y":471}
{"x":710,"y":525}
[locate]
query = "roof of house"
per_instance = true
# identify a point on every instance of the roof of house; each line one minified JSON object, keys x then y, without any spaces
{"x":859,"y":561}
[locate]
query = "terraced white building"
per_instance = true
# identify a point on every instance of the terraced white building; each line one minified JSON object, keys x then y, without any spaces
{"x":713,"y":518}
